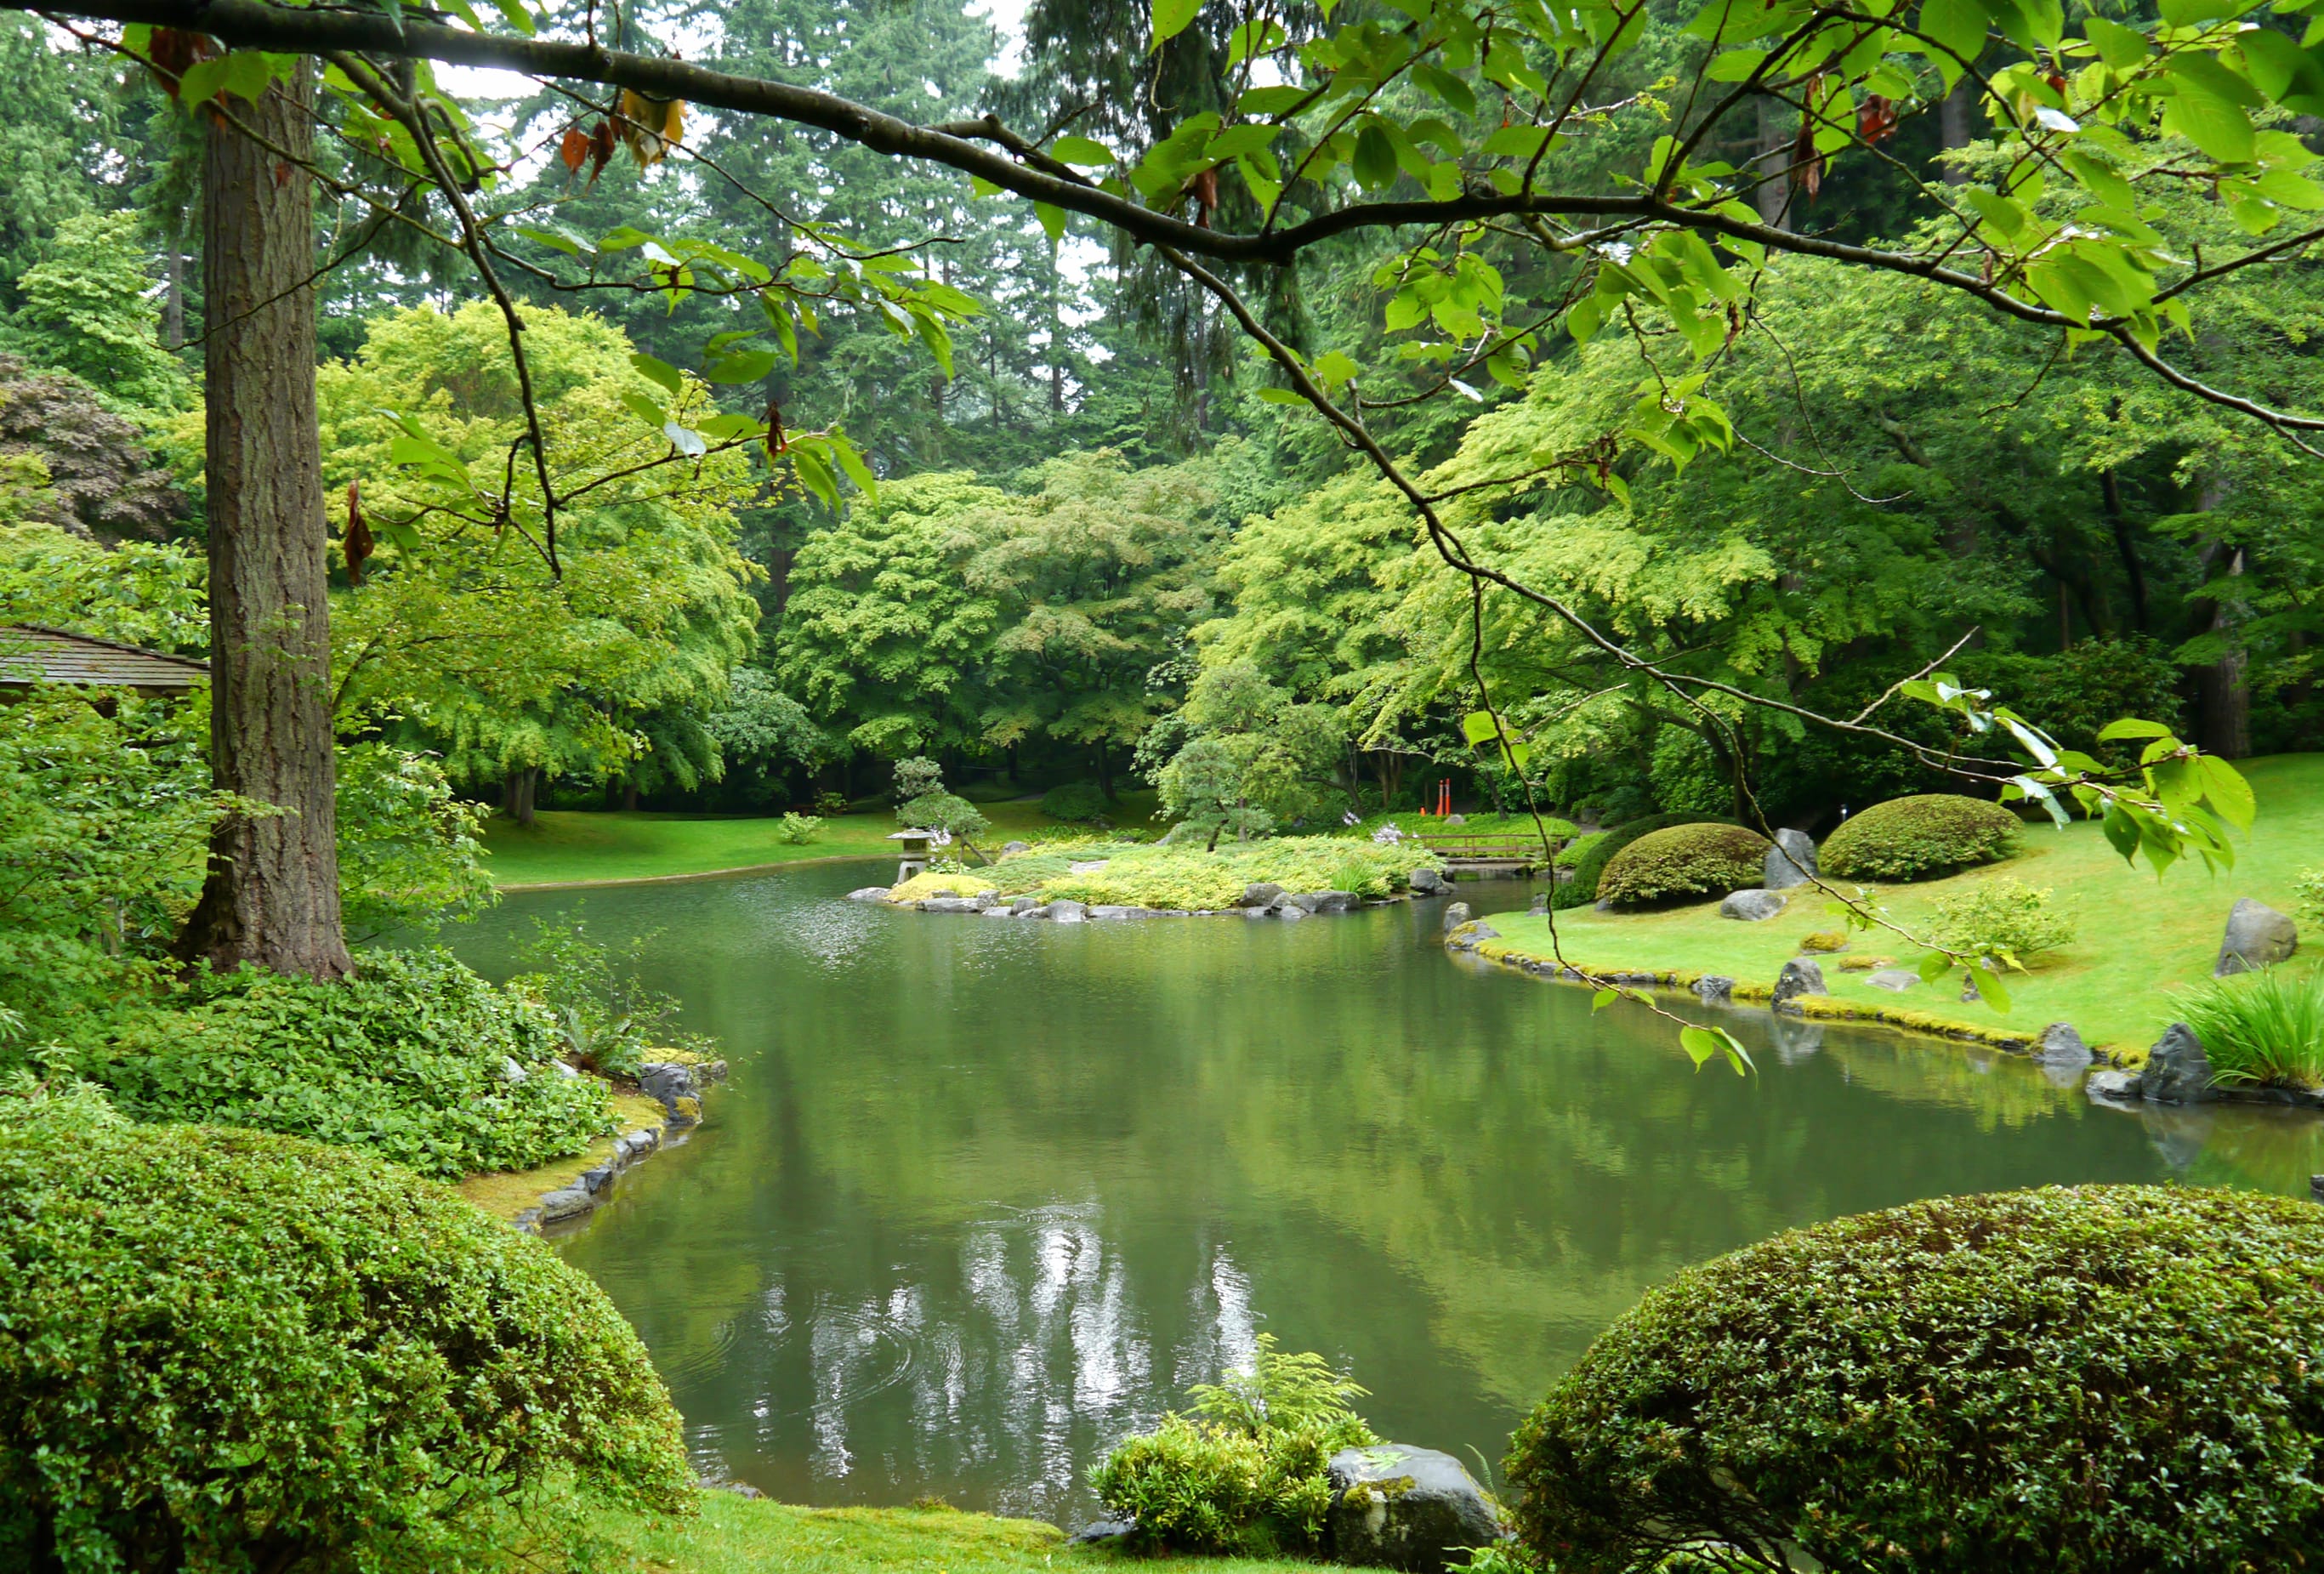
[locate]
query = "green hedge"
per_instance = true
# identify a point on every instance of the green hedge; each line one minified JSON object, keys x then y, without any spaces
{"x":1583,"y":889}
{"x":1918,"y":838}
{"x":2074,"y":1380}
{"x":225,"y":1352}
{"x":407,"y":1059}
{"x":1685,"y":861}
{"x":1077,"y":802}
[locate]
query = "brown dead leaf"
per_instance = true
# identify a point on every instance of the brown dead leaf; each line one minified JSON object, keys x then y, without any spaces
{"x":776,"y":441}
{"x":173,"y":51}
{"x":356,"y":541}
{"x":573,"y":148}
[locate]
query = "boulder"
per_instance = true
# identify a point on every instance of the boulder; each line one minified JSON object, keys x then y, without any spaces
{"x":1306,"y":901}
{"x":2059,"y":1045}
{"x":1540,"y":908}
{"x":1108,"y":912}
{"x":2257,"y":937}
{"x":2177,"y":1071}
{"x":1455,"y":915}
{"x":1262,"y":895}
{"x":1009,"y":849}
{"x":1395,"y":1506}
{"x":1425,"y":881}
{"x":951,"y":905}
{"x":1329,"y":901}
{"x":599,"y":1180}
{"x":1064,"y":911}
{"x":1284,"y":907}
{"x":1800,"y":977}
{"x":1791,"y":862}
{"x":868,"y":894}
{"x":997,"y":911}
{"x":1752,"y":906}
{"x":1714,"y":988}
{"x":1895,"y":979}
{"x":562,"y":1070}
{"x":1020,"y":906}
{"x":564,"y":1203}
{"x":1456,"y":819}
{"x":510,"y":1073}
{"x":2111,"y":1085}
{"x":668,"y":1082}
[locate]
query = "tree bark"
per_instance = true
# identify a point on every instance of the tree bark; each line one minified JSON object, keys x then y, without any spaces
{"x":1778,"y":129}
{"x":1957,"y":126}
{"x":2225,"y":684}
{"x":517,"y":787}
{"x":272,"y":894}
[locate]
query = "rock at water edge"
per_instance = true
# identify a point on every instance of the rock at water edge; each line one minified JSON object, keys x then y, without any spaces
{"x":1262,"y":895}
{"x":868,"y":894}
{"x":1455,"y":915}
{"x":1395,"y":1506}
{"x":1425,"y":881}
{"x":2178,"y":1070}
{"x":1065,"y":911}
{"x":1010,"y":849}
{"x":1791,"y":862}
{"x":2257,"y":937}
{"x":1714,"y":988}
{"x":1099,"y":1530}
{"x":2061,"y":1045}
{"x":1799,"y":977}
{"x":1751,"y":907}
{"x":2111,"y":1085}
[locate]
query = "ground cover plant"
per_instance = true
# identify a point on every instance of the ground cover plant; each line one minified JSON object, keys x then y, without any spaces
{"x":1683,"y":860}
{"x":1914,"y":838}
{"x":1179,"y":876}
{"x":228,"y":1350}
{"x":2079,"y":1379}
{"x":2261,"y":1029}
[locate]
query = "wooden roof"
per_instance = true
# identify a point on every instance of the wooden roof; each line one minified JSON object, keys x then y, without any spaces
{"x":31,"y":653}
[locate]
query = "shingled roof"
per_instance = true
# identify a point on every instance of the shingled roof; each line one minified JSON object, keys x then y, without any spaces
{"x":30,"y":654}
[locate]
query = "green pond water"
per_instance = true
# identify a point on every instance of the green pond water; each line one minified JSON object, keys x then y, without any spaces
{"x":981,"y":1196}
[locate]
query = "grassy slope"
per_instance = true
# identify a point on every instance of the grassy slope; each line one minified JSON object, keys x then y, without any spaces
{"x":573,"y":847}
{"x":734,"y":1535}
{"x":2138,"y":939}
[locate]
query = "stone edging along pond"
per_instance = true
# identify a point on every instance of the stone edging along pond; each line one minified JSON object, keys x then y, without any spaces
{"x":679,"y":1087}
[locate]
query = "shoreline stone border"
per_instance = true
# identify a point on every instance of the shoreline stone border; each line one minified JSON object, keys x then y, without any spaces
{"x":679,"y":1087}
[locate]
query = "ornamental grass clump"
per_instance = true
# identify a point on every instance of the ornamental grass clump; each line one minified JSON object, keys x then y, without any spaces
{"x":1244,"y":1473}
{"x":2261,"y":1029}
{"x":224,"y":1351}
{"x":1919,"y":838}
{"x":1685,"y":861}
{"x":2079,"y":1380}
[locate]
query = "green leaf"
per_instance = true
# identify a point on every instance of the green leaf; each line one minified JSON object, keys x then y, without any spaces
{"x":1934,"y":966}
{"x":1262,"y":102}
{"x":1333,"y":368}
{"x":660,"y":372}
{"x":815,"y":474}
{"x":644,"y":408}
{"x":1478,"y":726}
{"x":748,"y":366}
{"x":1281,"y":396}
{"x":2118,"y":46}
{"x":1052,"y":220}
{"x":2220,"y":128}
{"x":1959,"y":25}
{"x":1603,"y":998}
{"x":1171,"y":18}
{"x":1990,"y":987}
{"x":1084,"y":151}
{"x":517,"y":16}
{"x":1375,"y":161}
{"x":851,"y":460}
{"x":2228,"y":791}
{"x":2131,"y":727}
{"x":1735,"y":65}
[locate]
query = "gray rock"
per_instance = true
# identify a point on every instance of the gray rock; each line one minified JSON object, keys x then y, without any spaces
{"x":1396,"y":1506}
{"x":1331,"y":901}
{"x":2059,"y":1045}
{"x":1284,"y":907}
{"x":1425,"y":881}
{"x":1108,"y":912}
{"x":1455,"y":915}
{"x":1022,"y":905}
{"x":950,"y":904}
{"x":984,"y":899}
{"x":2111,"y":1085}
{"x":1087,"y":865}
{"x":1752,"y":906}
{"x":1791,"y":862}
{"x":562,"y":1070}
{"x":1306,"y":901}
{"x":1540,"y":906}
{"x":1714,"y":988}
{"x":997,"y":911}
{"x":2316,"y":1188}
{"x":1456,"y":819}
{"x":2257,"y":937}
{"x":1099,"y":1532}
{"x":1895,"y":979}
{"x":668,"y":1082}
{"x":868,"y":894}
{"x":2177,"y":1071}
{"x":510,"y":1073}
{"x":1262,"y":895}
{"x":1064,"y":911}
{"x":564,"y":1203}
{"x":599,"y":1180}
{"x":1800,"y":977}
{"x":1010,"y":849}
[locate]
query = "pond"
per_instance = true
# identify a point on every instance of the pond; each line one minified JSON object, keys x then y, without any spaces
{"x":981,"y":1196}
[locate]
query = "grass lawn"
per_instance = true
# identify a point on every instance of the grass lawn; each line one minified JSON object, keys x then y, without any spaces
{"x":735,"y":1535}
{"x":583,"y":847}
{"x":2137,"y":938}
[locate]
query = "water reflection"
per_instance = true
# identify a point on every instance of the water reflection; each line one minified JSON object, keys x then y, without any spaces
{"x":983,"y":1196}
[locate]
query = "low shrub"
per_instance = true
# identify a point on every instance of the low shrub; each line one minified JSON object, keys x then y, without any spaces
{"x":798,"y":830}
{"x":225,"y":1351}
{"x":830,"y":805}
{"x":1183,"y":877}
{"x":1823,"y":941}
{"x":1077,"y":803}
{"x":1569,"y":856}
{"x":935,"y":883}
{"x":1590,"y":866}
{"x":1919,"y":838}
{"x":1705,"y":860}
{"x":2264,"y":1027}
{"x":2000,"y":917}
{"x":1244,"y":1474}
{"x":409,"y":1059}
{"x":2073,"y":1379}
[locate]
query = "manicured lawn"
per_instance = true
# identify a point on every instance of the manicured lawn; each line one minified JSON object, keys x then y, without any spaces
{"x":579,"y":847}
{"x":2138,"y":939}
{"x":734,"y":1536}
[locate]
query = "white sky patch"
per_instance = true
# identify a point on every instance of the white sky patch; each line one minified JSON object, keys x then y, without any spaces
{"x":1008,"y":19}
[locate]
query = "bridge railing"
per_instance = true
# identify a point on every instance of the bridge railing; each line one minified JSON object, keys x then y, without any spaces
{"x":1497,"y":845}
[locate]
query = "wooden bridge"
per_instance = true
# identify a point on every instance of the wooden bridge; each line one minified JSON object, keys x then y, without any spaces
{"x":1484,"y":853}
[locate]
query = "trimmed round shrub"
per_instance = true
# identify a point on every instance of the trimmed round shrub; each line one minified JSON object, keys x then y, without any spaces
{"x":2077,"y":1379}
{"x":1685,"y":861}
{"x":1918,"y":838}
{"x":1078,"y":803}
{"x":224,"y":1350}
{"x":1590,"y":865}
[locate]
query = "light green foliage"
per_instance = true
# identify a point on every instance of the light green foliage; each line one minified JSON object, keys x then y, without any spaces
{"x":765,"y":738}
{"x":1185,"y":878}
{"x":1918,"y":837}
{"x":1590,"y":865}
{"x":139,"y":592}
{"x":62,"y":106}
{"x":85,"y":308}
{"x":409,"y":853}
{"x":1251,"y":757}
{"x":226,"y":1350}
{"x":1245,"y":1473}
{"x":2002,"y":919}
{"x":945,"y":812}
{"x":798,"y":830}
{"x":1207,"y":789}
{"x":2156,"y":1344}
{"x":406,"y":1060}
{"x":1571,"y":855}
{"x":2264,"y":1027}
{"x":604,"y":1014}
{"x":1696,"y":861}
{"x":2309,"y":888}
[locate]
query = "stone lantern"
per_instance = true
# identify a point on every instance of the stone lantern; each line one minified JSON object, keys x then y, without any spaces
{"x":915,"y":853}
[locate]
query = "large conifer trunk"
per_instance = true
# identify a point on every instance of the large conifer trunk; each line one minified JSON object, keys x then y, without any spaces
{"x":272,"y":892}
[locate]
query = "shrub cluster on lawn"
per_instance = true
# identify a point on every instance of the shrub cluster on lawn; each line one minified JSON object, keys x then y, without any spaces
{"x":1919,"y":838}
{"x":226,"y":1350}
{"x":2264,"y":1027}
{"x":2000,"y":916}
{"x":1703,"y":859}
{"x":2072,"y":1379}
{"x":1077,"y":803}
{"x":1589,"y":864}
{"x":407,"y":1059}
{"x":1242,"y":1474}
